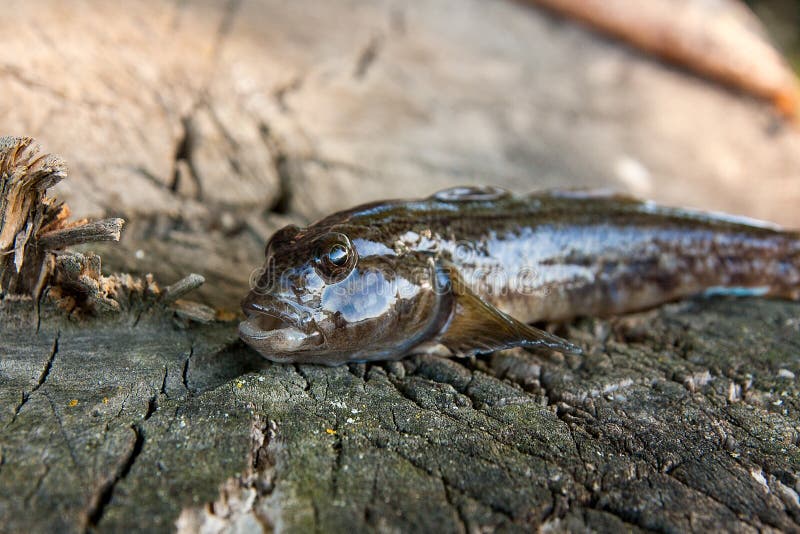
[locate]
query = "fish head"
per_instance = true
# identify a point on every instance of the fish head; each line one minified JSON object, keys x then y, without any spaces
{"x":332,"y":294}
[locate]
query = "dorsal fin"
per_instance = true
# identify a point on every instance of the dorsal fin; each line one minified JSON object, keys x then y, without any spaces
{"x":585,"y":193}
{"x":469,"y":193}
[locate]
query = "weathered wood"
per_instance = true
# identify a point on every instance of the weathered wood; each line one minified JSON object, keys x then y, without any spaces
{"x":33,"y":227}
{"x":193,"y":120}
{"x":681,"y":419}
{"x":91,"y":232}
{"x":25,"y":213}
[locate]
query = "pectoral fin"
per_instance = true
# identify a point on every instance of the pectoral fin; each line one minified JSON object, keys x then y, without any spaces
{"x":476,"y":326}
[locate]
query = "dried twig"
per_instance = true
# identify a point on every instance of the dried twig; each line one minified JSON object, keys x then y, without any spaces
{"x":92,"y":232}
{"x":720,"y":40}
{"x":181,"y":287}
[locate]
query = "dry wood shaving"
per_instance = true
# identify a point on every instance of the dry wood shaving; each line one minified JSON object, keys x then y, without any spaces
{"x":35,"y":232}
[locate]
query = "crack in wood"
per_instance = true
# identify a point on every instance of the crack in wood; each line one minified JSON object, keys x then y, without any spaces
{"x":183,"y":154}
{"x":367,"y":57}
{"x":38,"y":485}
{"x":436,"y":473}
{"x":261,"y":476}
{"x":185,"y":369}
{"x":152,"y":406}
{"x":40,"y":382}
{"x":102,"y":497}
{"x":72,"y":453}
{"x":302,"y":374}
{"x":163,"y":389}
{"x":281,"y":163}
{"x":336,"y":468}
{"x":367,"y":514}
{"x":282,"y":92}
{"x":229,"y":13}
{"x":463,"y":521}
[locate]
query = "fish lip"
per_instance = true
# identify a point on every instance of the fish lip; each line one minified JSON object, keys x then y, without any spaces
{"x":251,"y":330}
{"x":283,"y":313}
{"x":277,"y":329}
{"x":271,"y":318}
{"x":280,"y":345}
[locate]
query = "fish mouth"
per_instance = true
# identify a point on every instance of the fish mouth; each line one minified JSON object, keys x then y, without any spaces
{"x":275,"y":327}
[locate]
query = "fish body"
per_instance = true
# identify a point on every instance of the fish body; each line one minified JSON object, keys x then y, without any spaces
{"x":466,"y":270}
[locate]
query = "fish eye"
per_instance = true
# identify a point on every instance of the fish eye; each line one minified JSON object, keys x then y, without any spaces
{"x":335,"y":257}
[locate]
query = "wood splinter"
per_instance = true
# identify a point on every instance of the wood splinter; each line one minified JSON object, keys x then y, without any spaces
{"x":35,"y":233}
{"x":91,"y":232}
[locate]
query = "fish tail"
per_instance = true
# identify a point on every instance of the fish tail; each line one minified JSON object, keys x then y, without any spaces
{"x":769,"y":268}
{"x":783,"y":273}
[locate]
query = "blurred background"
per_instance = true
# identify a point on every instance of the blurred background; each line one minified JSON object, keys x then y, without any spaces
{"x":782,"y":21}
{"x":207,"y":124}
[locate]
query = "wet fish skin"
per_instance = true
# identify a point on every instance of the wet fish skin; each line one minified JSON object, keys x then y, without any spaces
{"x":465,"y":270}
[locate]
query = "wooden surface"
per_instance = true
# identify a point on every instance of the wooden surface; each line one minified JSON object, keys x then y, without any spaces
{"x":685,"y":419}
{"x":207,"y":125}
